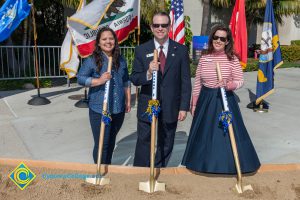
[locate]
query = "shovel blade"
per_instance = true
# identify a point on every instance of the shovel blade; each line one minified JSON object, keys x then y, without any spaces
{"x":98,"y":181}
{"x":240,"y":189}
{"x":145,"y":186}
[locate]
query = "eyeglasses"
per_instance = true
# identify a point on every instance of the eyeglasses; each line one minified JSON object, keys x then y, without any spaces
{"x":223,"y":39}
{"x":160,"y":25}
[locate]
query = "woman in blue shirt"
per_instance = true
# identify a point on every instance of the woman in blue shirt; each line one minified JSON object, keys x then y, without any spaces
{"x":93,"y":73}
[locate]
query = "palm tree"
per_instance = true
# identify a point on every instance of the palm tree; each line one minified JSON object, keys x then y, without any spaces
{"x":282,"y":8}
{"x":149,"y":7}
{"x":70,"y":3}
{"x":255,"y":10}
{"x":205,"y":16}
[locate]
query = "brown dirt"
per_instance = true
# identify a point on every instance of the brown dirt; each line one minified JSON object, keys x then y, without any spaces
{"x":267,"y":186}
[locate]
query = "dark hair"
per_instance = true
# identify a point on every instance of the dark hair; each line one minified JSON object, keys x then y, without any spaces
{"x":229,"y":48}
{"x":162,"y":13}
{"x":98,"y":51}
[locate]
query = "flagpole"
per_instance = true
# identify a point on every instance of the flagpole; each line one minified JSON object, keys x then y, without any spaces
{"x":38,"y":100}
{"x":139,"y":22}
{"x":138,"y":43}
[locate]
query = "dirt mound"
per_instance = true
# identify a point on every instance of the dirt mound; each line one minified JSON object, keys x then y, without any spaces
{"x":266,"y":185}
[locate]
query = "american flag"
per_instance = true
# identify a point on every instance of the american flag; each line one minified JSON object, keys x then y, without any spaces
{"x":177,"y":21}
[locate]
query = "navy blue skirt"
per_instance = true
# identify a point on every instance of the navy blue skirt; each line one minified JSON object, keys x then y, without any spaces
{"x":208,"y":148}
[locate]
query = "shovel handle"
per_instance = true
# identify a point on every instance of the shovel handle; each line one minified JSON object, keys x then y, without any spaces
{"x":230,"y":130}
{"x":102,"y":127}
{"x":154,"y":77}
{"x":153,"y":126}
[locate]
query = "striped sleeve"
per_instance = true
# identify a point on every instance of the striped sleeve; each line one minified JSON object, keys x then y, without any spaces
{"x":197,"y":86}
{"x":237,"y":76}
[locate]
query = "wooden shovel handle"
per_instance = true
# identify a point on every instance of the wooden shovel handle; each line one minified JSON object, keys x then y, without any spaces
{"x":155,"y":55}
{"x":102,"y":128}
{"x":219,"y":73}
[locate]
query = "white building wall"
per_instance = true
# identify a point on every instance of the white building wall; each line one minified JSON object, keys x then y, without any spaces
{"x":193,"y":8}
{"x":287,"y":32}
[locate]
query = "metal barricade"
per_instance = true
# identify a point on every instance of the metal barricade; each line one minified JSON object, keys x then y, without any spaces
{"x":18,"y":62}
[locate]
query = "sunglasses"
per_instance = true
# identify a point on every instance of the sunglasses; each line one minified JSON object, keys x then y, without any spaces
{"x":160,"y":25}
{"x":223,"y":39}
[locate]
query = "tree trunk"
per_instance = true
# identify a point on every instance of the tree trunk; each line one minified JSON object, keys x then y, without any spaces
{"x":29,"y":31}
{"x":25,"y":34}
{"x":205,"y":17}
{"x":11,"y":61}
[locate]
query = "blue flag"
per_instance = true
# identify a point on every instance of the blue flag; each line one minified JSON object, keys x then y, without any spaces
{"x":270,"y":55}
{"x":11,"y":14}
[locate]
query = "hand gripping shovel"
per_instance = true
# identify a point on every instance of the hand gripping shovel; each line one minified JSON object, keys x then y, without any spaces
{"x":238,"y":186}
{"x":99,"y":179}
{"x":152,"y":185}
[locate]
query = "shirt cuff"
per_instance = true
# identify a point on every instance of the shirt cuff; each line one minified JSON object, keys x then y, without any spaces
{"x":88,"y":82}
{"x":148,"y":76}
{"x":231,"y":86}
{"x":194,"y":100}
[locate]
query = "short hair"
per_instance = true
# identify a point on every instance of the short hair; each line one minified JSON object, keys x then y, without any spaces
{"x":162,"y":13}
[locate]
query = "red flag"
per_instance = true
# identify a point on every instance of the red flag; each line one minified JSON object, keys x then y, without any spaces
{"x":239,"y":31}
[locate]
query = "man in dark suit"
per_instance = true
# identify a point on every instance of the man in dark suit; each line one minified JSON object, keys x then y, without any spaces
{"x":173,"y":92}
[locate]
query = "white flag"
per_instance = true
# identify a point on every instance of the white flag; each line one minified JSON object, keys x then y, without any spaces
{"x":69,"y":60}
{"x":119,"y":15}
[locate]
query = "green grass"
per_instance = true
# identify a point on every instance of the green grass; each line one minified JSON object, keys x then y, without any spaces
{"x":252,"y":65}
{"x":18,"y":84}
{"x":289,"y":65}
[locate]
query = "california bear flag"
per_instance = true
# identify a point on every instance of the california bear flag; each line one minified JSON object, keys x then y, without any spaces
{"x":120,"y":15}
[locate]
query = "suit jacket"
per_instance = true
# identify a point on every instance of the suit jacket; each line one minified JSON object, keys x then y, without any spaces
{"x":174,"y":85}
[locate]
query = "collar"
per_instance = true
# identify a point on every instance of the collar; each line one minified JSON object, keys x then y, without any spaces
{"x":105,"y":55}
{"x":165,"y":45}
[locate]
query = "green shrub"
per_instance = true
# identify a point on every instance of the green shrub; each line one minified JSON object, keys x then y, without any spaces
{"x":295,"y":42}
{"x":129,"y":56}
{"x":193,"y":68}
{"x":252,"y":65}
{"x":290,"y":53}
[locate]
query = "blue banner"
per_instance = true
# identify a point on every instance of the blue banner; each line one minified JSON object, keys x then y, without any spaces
{"x":199,"y":43}
{"x":270,"y":55}
{"x":11,"y":15}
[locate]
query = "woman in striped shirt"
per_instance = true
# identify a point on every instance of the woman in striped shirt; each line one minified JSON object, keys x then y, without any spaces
{"x":208,"y":147}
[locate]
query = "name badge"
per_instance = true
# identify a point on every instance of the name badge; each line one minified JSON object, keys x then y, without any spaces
{"x":208,"y":60}
{"x":149,"y":55}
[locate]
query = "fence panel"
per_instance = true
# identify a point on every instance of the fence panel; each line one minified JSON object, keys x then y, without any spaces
{"x":18,"y":62}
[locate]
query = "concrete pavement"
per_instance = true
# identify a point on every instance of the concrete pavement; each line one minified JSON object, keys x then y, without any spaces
{"x":60,"y":132}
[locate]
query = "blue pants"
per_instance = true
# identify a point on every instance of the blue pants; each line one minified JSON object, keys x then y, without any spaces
{"x":110,"y":134}
{"x":165,"y":142}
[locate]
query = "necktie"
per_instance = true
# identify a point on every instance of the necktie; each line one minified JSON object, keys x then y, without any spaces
{"x":162,"y":59}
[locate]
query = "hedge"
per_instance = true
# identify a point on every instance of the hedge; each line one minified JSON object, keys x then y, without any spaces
{"x":290,"y":53}
{"x":295,"y":42}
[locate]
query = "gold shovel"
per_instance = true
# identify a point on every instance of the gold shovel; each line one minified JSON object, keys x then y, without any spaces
{"x":152,"y":185}
{"x":99,"y":179}
{"x":239,"y":187}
